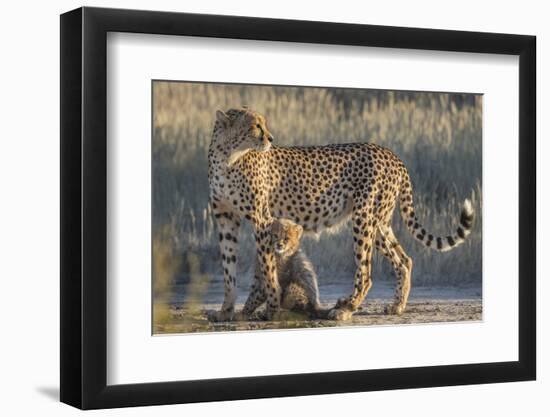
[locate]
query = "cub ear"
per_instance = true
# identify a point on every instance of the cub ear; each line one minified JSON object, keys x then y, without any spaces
{"x":222,"y":118}
{"x":298,"y":230}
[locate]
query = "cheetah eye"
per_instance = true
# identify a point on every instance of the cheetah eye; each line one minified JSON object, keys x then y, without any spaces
{"x":258,"y":126}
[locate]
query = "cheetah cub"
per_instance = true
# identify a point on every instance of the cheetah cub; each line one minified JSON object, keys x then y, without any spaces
{"x":297,"y":278}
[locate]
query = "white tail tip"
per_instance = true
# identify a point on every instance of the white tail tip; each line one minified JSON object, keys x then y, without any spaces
{"x":468,"y":208}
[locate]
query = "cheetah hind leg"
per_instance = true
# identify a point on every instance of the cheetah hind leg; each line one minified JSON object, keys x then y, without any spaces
{"x":402,"y":265}
{"x":364,"y":238}
{"x":228,"y":224}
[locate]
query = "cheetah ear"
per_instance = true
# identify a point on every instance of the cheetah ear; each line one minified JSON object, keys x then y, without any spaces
{"x":222,"y":118}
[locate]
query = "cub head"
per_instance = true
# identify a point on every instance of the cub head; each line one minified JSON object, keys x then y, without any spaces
{"x":240,"y":131}
{"x":285,"y":237}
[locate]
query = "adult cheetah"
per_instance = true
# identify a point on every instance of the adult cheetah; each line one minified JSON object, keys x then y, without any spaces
{"x":316,"y":187}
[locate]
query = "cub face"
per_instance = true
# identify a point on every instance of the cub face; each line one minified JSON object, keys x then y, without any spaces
{"x":285,"y":237}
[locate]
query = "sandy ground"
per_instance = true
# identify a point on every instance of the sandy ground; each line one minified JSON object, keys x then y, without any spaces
{"x":183,"y":320}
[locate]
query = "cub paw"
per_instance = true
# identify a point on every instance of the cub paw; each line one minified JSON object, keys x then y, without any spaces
{"x":339,"y":314}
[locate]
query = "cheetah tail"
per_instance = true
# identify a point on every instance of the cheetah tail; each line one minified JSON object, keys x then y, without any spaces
{"x":441,"y":244}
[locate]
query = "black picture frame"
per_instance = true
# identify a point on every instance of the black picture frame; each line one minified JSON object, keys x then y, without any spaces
{"x":84,"y":207}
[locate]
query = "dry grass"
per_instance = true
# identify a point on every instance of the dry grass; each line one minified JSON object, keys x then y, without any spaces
{"x":437,"y":135}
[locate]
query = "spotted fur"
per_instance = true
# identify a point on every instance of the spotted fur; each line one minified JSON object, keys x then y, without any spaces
{"x":296,"y":275}
{"x":316,"y":187}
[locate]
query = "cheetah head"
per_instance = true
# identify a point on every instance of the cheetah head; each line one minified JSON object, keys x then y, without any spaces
{"x":242,"y":130}
{"x":285,"y":237}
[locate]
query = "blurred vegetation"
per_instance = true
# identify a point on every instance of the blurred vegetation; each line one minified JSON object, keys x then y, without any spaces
{"x":438,"y":136}
{"x":166,"y":265}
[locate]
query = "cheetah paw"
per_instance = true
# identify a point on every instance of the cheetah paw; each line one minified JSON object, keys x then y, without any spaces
{"x":340,"y":314}
{"x":395,"y":309}
{"x":260,"y":316}
{"x":341,"y":302}
{"x":241,"y":316}
{"x":219,"y":316}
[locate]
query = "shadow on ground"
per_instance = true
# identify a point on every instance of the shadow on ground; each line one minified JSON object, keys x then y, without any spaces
{"x":50,"y":392}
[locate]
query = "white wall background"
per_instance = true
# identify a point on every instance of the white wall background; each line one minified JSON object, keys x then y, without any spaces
{"x":29,"y":213}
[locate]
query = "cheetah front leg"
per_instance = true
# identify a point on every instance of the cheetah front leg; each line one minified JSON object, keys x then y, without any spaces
{"x":256,"y":297}
{"x":267,"y":269}
{"x":363,"y":237}
{"x":228,"y":224}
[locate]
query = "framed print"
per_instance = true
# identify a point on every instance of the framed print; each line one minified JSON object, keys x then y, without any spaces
{"x":314,"y":251}
{"x":246,"y":201}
